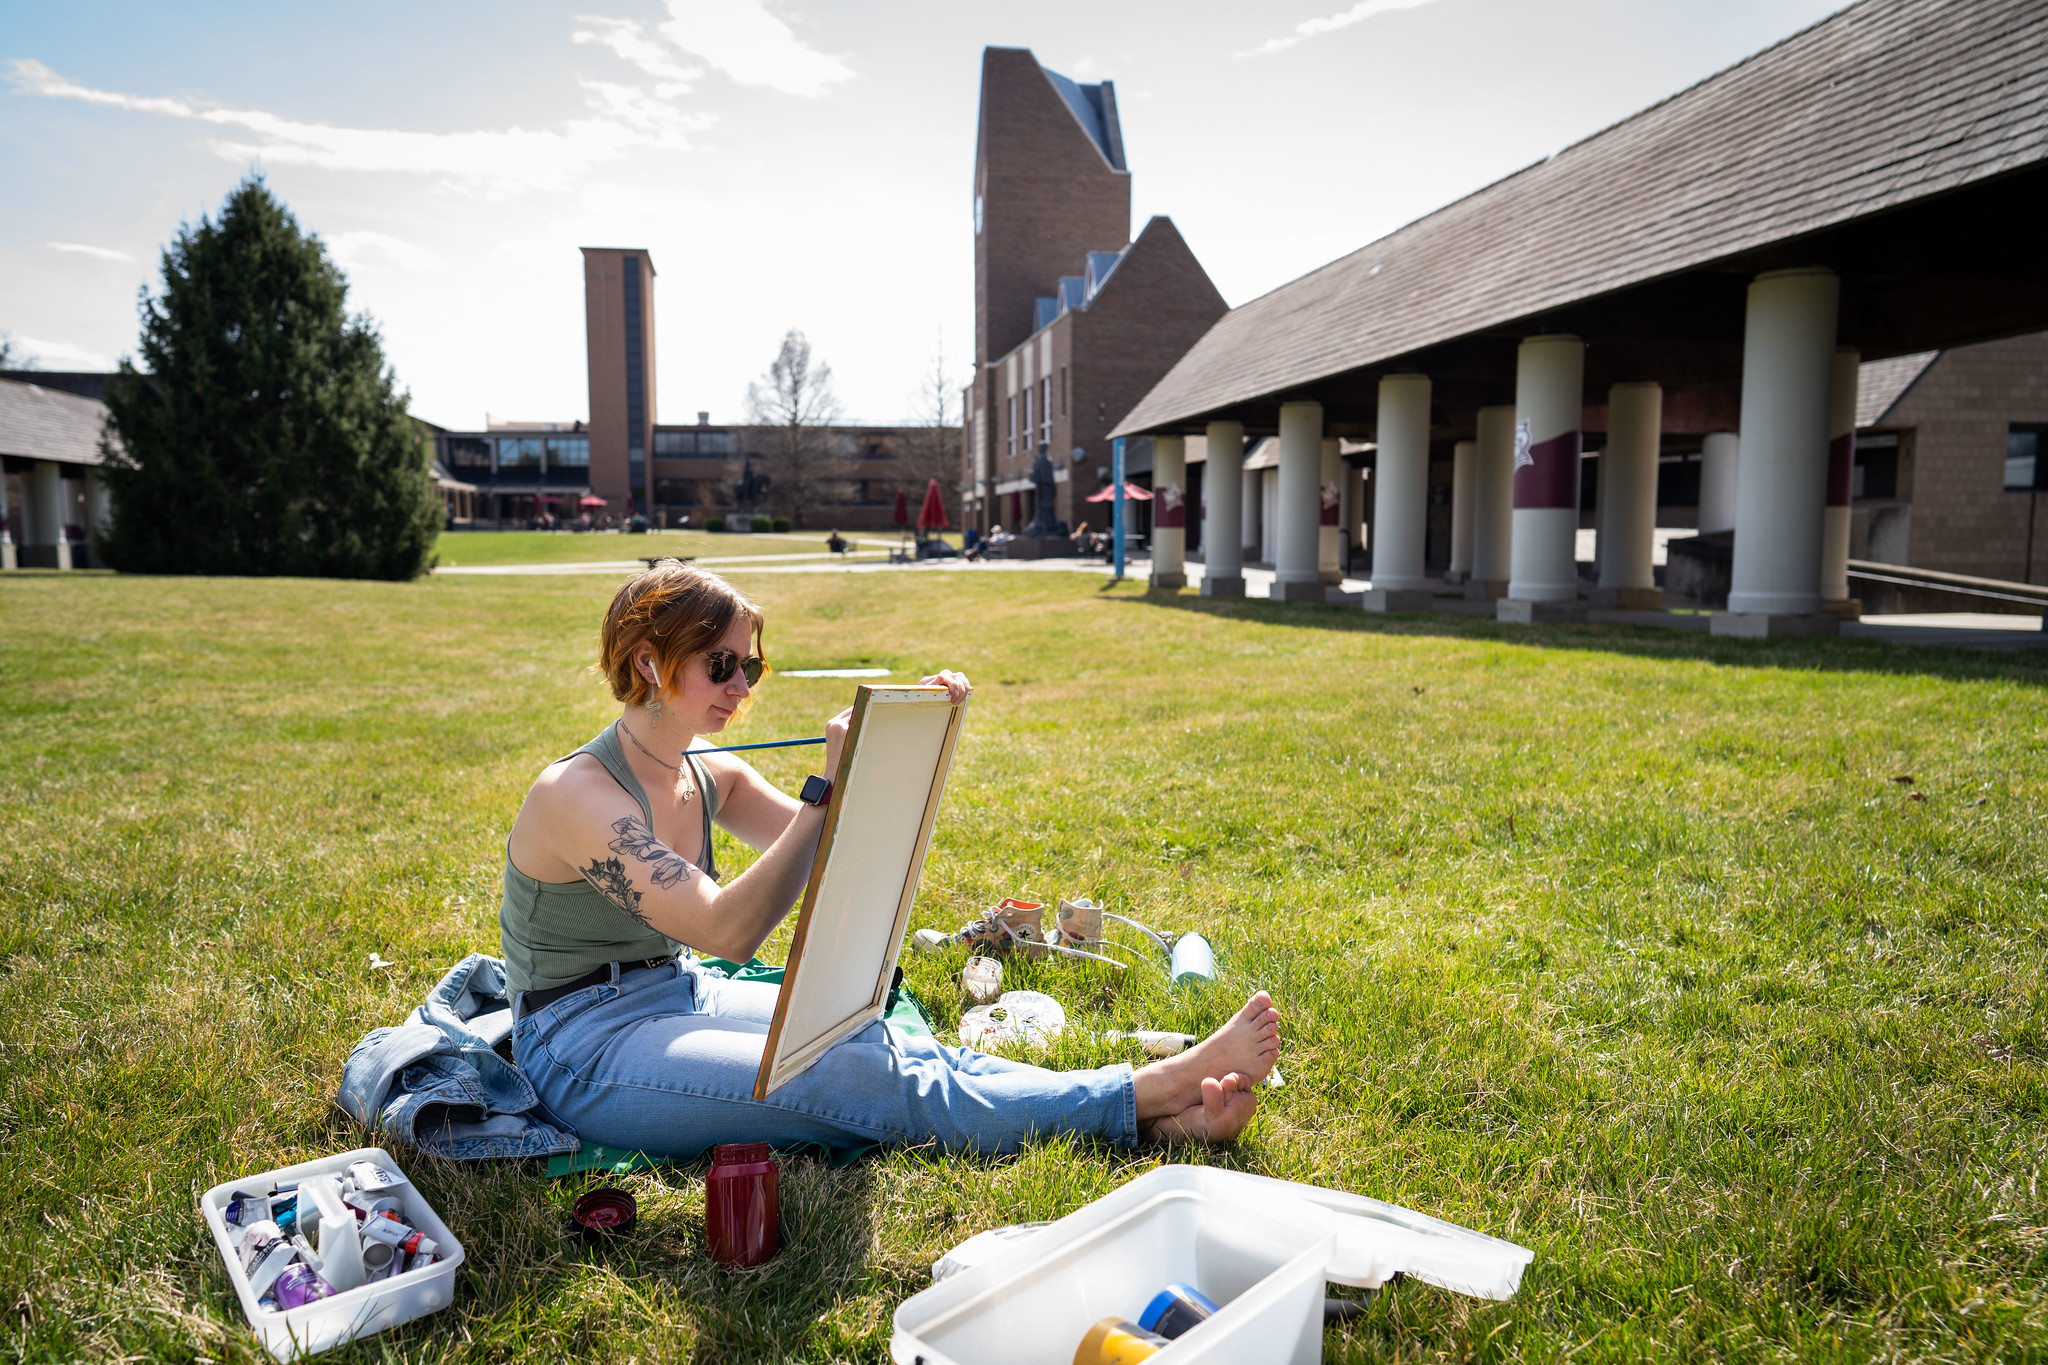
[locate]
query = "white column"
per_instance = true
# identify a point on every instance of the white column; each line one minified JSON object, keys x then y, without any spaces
{"x":1269,"y":511}
{"x":1719,"y":460}
{"x":1464,"y":469}
{"x":7,"y":559}
{"x":1628,"y":497}
{"x":46,"y":491}
{"x":1329,"y":501}
{"x":1493,"y":504}
{"x":1297,"y":575}
{"x":1400,"y":525}
{"x":1169,"y":511}
{"x":1253,"y":534}
{"x":1549,"y":404}
{"x":1834,"y":536}
{"x":1788,"y":355}
{"x":1223,"y":505}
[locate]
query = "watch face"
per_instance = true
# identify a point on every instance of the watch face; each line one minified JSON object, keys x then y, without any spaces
{"x":816,"y":789}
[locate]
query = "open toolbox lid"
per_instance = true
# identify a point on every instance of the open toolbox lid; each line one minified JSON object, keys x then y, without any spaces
{"x":1377,"y":1240}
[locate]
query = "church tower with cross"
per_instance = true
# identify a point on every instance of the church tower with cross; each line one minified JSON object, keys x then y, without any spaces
{"x":618,"y":307}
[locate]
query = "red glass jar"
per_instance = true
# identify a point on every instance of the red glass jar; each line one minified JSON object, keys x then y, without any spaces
{"x":742,"y":1209}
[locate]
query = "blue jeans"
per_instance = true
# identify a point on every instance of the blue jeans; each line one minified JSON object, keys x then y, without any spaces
{"x":663,"y":1061}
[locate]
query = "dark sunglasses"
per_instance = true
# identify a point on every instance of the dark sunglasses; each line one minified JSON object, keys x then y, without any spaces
{"x":723,"y":663}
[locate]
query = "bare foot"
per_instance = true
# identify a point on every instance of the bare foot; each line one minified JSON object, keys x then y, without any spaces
{"x":1227,"y":1106}
{"x":1248,"y":1043}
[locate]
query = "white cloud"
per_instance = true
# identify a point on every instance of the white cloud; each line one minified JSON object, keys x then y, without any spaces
{"x":358,"y":249}
{"x":98,"y":253}
{"x":502,"y":162}
{"x":1312,"y":28}
{"x":60,"y":354}
{"x":746,"y":42}
{"x":629,"y":42}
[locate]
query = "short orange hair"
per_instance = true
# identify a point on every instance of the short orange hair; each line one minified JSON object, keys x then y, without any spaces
{"x":683,"y":610}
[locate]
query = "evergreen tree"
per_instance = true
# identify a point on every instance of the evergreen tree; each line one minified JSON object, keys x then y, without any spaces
{"x":264,"y":434}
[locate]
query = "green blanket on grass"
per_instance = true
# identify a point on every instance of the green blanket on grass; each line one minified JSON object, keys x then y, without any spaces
{"x":903,"y":1011}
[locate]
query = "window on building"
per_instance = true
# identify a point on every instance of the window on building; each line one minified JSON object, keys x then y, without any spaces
{"x":675,"y":492}
{"x":1028,"y":423}
{"x":1064,"y":394}
{"x":569,"y":459}
{"x":469,"y":458}
{"x":715,"y":443}
{"x":519,"y":459}
{"x":1045,"y":409}
{"x":674,"y":444}
{"x":2025,"y":470}
{"x":1010,"y":436}
{"x":1876,"y":472}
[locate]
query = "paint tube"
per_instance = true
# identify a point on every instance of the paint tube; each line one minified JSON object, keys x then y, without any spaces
{"x":377,"y":1259}
{"x":368,"y":1175}
{"x":264,"y":1255}
{"x":371,"y":1204}
{"x":392,"y":1233}
{"x":300,"y":1286}
{"x":246,"y":1210}
{"x":1154,"y":1042}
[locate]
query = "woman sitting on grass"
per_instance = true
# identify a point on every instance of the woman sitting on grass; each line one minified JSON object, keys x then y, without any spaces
{"x":632,"y":1043}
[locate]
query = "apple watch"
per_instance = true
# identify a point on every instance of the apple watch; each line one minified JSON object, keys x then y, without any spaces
{"x":817,"y":790}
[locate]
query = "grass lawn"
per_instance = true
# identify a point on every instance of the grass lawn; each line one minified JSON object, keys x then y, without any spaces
{"x":1637,"y":948}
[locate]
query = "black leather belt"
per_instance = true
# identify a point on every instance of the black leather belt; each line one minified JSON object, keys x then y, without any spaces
{"x":596,"y":976}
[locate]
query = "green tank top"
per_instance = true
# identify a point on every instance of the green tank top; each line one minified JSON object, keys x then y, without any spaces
{"x":555,"y":932}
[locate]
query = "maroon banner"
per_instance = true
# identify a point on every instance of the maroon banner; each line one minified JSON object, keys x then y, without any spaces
{"x":1330,"y":502}
{"x":1547,"y":472}
{"x":1841,"y":469}
{"x":1169,"y":507}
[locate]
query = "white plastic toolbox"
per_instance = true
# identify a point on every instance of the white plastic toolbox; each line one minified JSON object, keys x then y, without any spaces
{"x":360,"y":1312}
{"x":1261,"y":1248}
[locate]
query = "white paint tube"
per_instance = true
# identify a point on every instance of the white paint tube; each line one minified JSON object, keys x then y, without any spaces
{"x":368,"y":1175}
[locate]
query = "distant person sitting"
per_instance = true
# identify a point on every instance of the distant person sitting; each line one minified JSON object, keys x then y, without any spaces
{"x":836,"y":543}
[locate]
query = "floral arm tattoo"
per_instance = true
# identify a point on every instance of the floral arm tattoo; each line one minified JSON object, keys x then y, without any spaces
{"x":608,"y":876}
{"x":635,"y":838}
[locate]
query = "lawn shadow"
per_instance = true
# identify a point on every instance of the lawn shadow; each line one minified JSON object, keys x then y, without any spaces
{"x":1954,"y":663}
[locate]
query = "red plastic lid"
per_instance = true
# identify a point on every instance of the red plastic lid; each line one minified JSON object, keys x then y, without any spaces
{"x":605,"y":1210}
{"x":741,"y":1154}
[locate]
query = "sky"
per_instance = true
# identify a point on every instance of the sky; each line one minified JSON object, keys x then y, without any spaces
{"x":785,"y":163}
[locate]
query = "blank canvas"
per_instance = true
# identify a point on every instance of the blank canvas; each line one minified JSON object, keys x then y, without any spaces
{"x":878,"y":824}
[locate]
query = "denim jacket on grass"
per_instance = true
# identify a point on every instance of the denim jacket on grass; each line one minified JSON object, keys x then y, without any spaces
{"x":436,"y":1082}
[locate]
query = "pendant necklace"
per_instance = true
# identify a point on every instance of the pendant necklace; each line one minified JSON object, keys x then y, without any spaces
{"x":689,"y":786}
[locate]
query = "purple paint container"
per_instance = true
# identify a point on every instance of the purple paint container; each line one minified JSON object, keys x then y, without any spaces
{"x":299,"y":1286}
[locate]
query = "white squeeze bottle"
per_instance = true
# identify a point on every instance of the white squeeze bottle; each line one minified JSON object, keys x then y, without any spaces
{"x":341,"y":1247}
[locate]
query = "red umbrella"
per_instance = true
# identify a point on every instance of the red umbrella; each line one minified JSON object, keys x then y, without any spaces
{"x":592,"y":501}
{"x":931,"y":516}
{"x":1131,"y":491}
{"x":902,"y":509}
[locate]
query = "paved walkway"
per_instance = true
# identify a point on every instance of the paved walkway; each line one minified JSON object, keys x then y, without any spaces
{"x":1970,"y":630}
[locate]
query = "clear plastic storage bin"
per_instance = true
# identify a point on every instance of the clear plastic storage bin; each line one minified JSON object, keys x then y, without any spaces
{"x":1260,"y":1248}
{"x":360,"y":1312}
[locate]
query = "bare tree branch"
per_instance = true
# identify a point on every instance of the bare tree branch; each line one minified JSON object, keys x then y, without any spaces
{"x":792,"y":408}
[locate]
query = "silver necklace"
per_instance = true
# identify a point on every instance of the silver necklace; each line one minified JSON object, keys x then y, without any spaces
{"x":689,"y":787}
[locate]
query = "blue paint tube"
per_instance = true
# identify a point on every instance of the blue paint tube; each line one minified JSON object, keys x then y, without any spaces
{"x":1175,"y":1309}
{"x":1193,"y":960}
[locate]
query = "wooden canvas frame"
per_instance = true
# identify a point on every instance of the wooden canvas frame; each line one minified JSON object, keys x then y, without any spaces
{"x":878,"y":824}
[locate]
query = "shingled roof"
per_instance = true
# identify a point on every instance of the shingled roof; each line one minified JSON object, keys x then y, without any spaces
{"x":48,"y":424}
{"x":1879,"y":105}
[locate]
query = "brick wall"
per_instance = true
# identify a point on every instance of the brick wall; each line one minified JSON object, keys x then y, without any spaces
{"x":1958,"y":414}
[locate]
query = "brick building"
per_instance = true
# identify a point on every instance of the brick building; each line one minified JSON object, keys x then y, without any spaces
{"x":1073,"y":320}
{"x":1949,"y":465}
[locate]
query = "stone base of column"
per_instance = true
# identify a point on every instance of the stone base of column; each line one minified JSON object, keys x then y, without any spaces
{"x":1311,"y":591}
{"x":1399,"y":599}
{"x":1167,"y":580}
{"x":1627,"y":599}
{"x":1220,"y":585}
{"x":7,"y":560}
{"x":1485,"y":589}
{"x":1455,"y":577}
{"x":1848,"y":608}
{"x":1759,"y":625}
{"x":1516,"y":612}
{"x":1333,"y":577}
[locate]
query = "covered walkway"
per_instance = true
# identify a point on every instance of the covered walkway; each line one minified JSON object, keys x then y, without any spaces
{"x":1716,"y":265}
